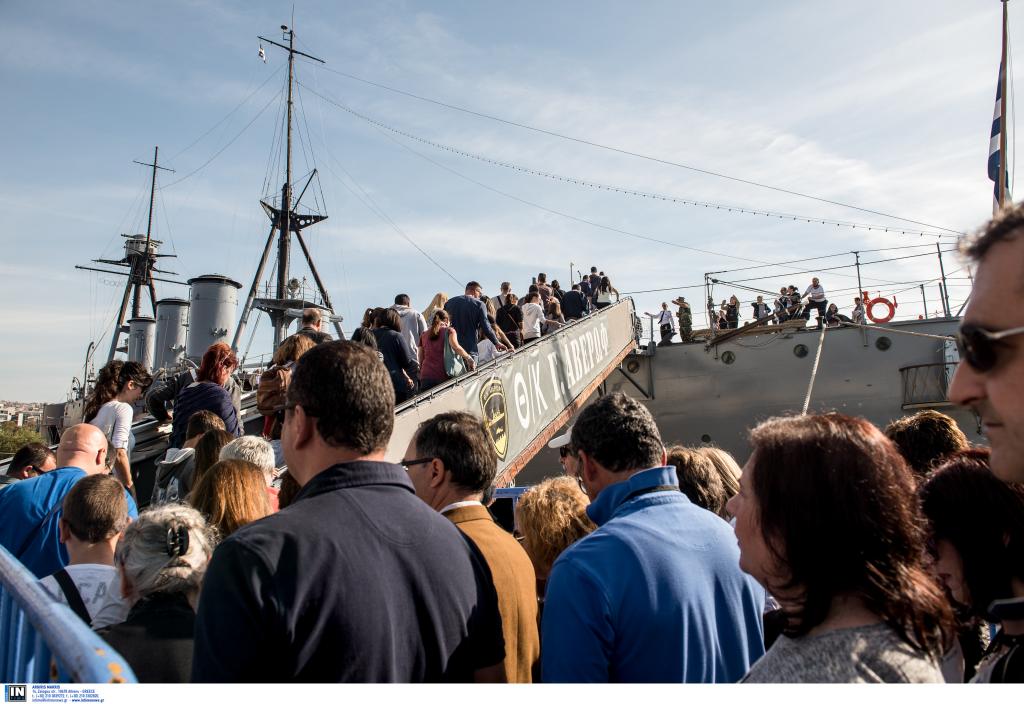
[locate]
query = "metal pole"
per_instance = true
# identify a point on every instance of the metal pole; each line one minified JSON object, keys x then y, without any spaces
{"x":319,"y":283}
{"x":285,"y":226}
{"x":945,"y":288}
{"x":247,"y":309}
{"x":924,"y":301}
{"x":1003,"y":148}
{"x":942,"y":296}
{"x":860,"y":286}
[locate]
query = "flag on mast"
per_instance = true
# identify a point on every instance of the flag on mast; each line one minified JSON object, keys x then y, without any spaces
{"x":995,"y":148}
{"x":263,"y":54}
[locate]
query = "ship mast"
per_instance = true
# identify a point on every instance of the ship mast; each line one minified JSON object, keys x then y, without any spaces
{"x":140,"y":258}
{"x":285,"y":220}
{"x":1003,"y":150}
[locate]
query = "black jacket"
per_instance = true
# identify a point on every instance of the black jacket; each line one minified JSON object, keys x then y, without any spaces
{"x":156,"y":638}
{"x":356,"y":581}
{"x":574,"y":305}
{"x":397,"y":358}
{"x":315,"y":335}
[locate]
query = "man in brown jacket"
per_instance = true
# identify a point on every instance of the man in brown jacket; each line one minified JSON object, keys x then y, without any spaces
{"x":451,"y":462}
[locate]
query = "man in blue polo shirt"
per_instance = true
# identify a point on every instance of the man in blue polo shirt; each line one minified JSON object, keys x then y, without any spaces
{"x":655,"y":594}
{"x":31,"y":509}
{"x":468,"y":313}
{"x":357,"y":580}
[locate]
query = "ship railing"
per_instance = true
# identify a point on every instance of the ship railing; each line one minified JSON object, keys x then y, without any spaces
{"x":42,"y":640}
{"x":926,"y":385}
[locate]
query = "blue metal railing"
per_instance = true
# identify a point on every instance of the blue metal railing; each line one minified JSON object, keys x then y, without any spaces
{"x":42,"y":640}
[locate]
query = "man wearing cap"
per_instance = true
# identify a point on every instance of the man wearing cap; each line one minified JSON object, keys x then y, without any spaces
{"x":655,"y":594}
{"x":685,"y":316}
{"x":311,"y":324}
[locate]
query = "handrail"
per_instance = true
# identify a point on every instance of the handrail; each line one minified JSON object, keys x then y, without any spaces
{"x":42,"y":640}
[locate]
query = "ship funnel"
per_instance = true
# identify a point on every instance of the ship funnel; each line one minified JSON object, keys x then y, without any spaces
{"x":140,"y":341}
{"x":171,"y":331}
{"x":212,"y":303}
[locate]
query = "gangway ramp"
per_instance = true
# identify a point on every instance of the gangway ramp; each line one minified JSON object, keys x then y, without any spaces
{"x":525,"y":397}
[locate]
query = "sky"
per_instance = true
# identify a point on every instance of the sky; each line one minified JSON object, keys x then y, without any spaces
{"x":874,"y":104}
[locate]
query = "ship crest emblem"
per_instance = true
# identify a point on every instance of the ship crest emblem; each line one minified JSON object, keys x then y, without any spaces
{"x":492,"y":408}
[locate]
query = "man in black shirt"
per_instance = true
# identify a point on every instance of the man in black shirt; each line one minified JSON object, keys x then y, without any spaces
{"x":575,"y":304}
{"x":311,"y":324}
{"x":357,"y":580}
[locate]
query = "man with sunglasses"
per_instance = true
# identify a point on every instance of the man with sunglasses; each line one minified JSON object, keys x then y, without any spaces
{"x":29,"y":461}
{"x":990,"y":377}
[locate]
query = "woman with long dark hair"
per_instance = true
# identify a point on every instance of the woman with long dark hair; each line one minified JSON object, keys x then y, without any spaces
{"x":605,"y":290}
{"x":207,"y":393}
{"x":976,"y":524}
{"x":510,"y":319}
{"x":827,"y":520}
{"x":398,"y":358}
{"x":431,"y":350}
{"x":118,"y":386}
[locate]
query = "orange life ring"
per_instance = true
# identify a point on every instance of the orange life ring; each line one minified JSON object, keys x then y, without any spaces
{"x":891,"y":305}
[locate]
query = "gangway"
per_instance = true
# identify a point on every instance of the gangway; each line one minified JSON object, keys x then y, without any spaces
{"x":525,"y":397}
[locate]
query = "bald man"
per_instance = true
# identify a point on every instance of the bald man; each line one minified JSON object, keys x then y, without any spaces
{"x":31,"y":509}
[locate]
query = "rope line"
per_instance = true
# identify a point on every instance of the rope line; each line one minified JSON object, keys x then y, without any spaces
{"x":814,"y":370}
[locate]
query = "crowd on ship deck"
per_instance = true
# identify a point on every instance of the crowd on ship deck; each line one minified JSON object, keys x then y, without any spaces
{"x":838,"y":552}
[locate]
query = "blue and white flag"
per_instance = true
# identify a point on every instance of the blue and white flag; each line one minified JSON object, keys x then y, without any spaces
{"x":995,"y":150}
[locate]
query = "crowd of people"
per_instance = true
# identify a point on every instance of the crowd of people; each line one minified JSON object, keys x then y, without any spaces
{"x":789,"y":305}
{"x":839,"y":552}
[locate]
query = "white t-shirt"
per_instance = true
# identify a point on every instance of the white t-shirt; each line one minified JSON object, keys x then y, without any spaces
{"x":115,"y":420}
{"x":100,"y":588}
{"x":816,"y":293}
{"x":486,"y":351}
{"x":533,"y":316}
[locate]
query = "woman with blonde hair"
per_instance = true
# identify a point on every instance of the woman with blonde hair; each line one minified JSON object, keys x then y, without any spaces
{"x":436,"y":303}
{"x":550,"y":517}
{"x":161,"y":560}
{"x":231,"y":494}
{"x":728,"y":470}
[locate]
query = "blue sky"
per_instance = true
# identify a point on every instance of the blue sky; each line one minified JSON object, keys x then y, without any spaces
{"x":877,"y":104}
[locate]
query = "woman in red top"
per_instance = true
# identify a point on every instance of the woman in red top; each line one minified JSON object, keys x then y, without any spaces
{"x":431,"y":350}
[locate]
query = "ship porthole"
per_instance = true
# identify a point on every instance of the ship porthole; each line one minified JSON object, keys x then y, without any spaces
{"x":632,"y":366}
{"x":800,"y":351}
{"x":705,"y":438}
{"x":728,"y":357}
{"x":883,"y":343}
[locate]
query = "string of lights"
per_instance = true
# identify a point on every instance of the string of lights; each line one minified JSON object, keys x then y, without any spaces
{"x":625,"y":190}
{"x":638,"y":155}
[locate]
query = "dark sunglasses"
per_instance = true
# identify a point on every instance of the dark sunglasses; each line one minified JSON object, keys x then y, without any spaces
{"x":564,"y":451}
{"x":411,"y":463}
{"x":978,"y":347}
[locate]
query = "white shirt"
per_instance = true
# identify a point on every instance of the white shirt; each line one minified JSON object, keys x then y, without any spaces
{"x":459,"y":504}
{"x":486,"y":351}
{"x":115,"y":420}
{"x":817,"y":293}
{"x":533,"y":315}
{"x":100,"y":589}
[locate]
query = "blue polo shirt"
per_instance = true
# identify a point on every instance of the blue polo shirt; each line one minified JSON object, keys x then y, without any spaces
{"x":357,"y":581}
{"x":655,"y":594}
{"x":30,"y":512}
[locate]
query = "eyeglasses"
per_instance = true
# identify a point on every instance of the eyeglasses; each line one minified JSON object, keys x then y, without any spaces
{"x":979,"y":348}
{"x":410,"y":463}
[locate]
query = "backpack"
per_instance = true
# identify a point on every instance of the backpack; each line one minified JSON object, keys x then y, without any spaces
{"x":273,"y":389}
